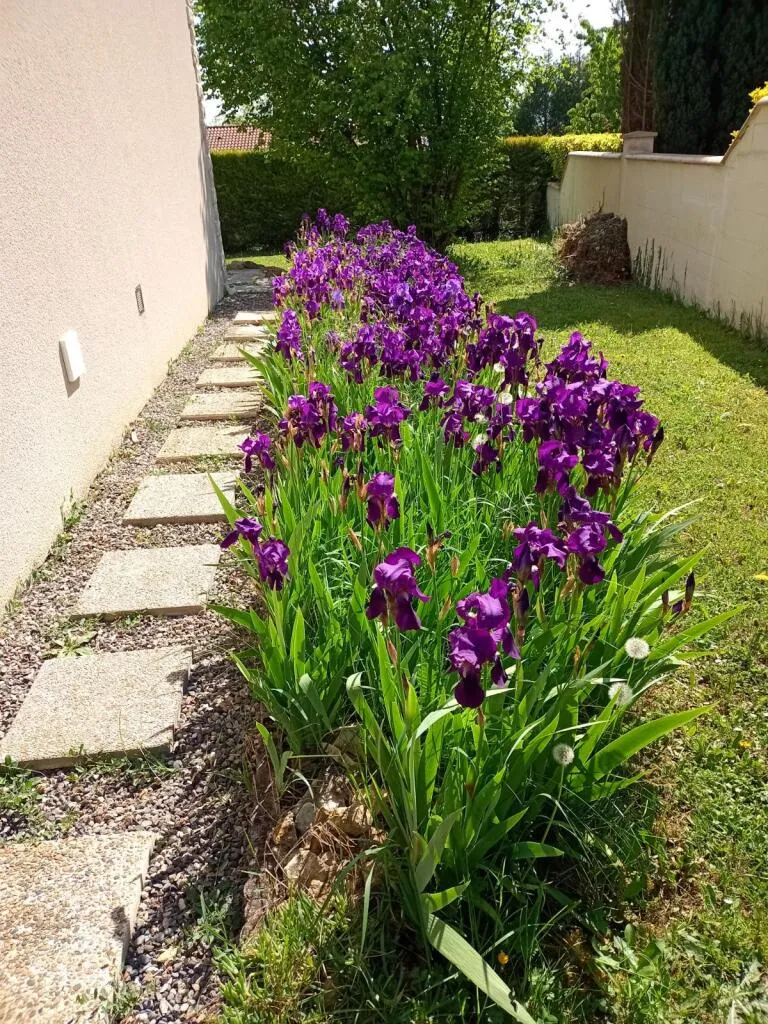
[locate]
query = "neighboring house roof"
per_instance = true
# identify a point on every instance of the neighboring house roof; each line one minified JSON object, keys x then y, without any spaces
{"x":234,"y":136}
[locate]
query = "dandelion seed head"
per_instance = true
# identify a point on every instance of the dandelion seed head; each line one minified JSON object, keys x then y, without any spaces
{"x":621,"y":693}
{"x":563,"y":754}
{"x":637,"y":648}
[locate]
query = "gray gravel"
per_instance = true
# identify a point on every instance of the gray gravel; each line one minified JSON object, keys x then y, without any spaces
{"x":197,"y":801}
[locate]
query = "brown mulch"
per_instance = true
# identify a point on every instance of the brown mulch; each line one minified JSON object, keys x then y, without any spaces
{"x":595,"y":250}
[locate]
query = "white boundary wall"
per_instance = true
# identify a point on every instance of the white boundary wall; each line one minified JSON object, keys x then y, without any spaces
{"x":698,"y":223}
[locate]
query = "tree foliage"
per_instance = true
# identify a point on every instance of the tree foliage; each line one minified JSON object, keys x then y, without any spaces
{"x":694,"y":63}
{"x":552,"y":87}
{"x":405,"y":99}
{"x":599,"y":109}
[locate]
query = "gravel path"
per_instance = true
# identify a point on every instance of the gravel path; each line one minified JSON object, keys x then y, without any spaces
{"x":197,"y":800}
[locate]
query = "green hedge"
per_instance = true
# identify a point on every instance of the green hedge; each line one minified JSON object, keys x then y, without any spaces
{"x":261,"y":198}
{"x":530,"y":161}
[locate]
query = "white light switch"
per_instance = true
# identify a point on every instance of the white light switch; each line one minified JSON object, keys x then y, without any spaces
{"x":72,"y":355}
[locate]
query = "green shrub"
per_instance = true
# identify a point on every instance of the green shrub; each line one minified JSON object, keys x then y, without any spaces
{"x":530,"y":162}
{"x":261,"y":197}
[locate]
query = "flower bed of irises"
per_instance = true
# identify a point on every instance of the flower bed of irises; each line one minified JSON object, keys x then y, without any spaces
{"x":448,"y":558}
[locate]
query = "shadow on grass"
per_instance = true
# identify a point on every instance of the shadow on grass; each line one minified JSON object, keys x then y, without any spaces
{"x":632,"y":310}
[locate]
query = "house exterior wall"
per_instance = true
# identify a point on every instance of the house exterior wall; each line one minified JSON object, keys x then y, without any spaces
{"x":105,"y":184}
{"x":699,"y":223}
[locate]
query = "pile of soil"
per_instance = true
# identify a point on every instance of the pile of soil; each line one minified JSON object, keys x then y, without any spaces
{"x":595,"y":250}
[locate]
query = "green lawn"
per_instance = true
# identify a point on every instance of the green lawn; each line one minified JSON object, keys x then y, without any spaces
{"x":276,"y":261}
{"x":697,"y":944}
{"x":710,"y":388}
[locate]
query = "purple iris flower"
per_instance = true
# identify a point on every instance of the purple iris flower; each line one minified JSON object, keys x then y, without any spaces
{"x":555,"y":463}
{"x":476,"y":644}
{"x":383,"y":506}
{"x":258,"y":446}
{"x":386,"y":414}
{"x":586,"y":539}
{"x":488,"y":611}
{"x":289,"y":337}
{"x":485,"y":457}
{"x":603,"y":468}
{"x":535,"y":547}
{"x":272,"y":557}
{"x":453,"y":430}
{"x":395,"y":589}
{"x":302,"y":422}
{"x":248,"y":529}
{"x":471,"y":401}
{"x":468,"y":651}
{"x":321,"y":397}
{"x":502,"y":418}
{"x":310,"y":419}
{"x":576,"y":362}
{"x":353,"y":430}
{"x":533,"y":414}
{"x":506,"y":343}
{"x":577,"y":511}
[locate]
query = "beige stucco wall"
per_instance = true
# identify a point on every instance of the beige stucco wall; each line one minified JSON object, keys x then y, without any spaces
{"x":104,"y":184}
{"x":590,"y":183}
{"x":706,"y":218}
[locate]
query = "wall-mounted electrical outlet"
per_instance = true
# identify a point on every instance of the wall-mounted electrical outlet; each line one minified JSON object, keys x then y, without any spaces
{"x":72,"y":354}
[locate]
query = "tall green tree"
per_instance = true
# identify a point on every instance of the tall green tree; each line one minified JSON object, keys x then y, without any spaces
{"x":693,"y":63}
{"x":599,"y":109}
{"x":405,"y":98}
{"x":552,"y":87}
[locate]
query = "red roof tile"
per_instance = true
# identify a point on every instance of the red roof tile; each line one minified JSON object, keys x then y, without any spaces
{"x":233,"y":136}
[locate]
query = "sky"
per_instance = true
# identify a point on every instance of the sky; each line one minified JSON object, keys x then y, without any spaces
{"x":565,"y":20}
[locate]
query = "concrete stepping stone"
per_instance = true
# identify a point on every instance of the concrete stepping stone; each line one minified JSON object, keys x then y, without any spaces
{"x":67,"y":911}
{"x":185,"y":443}
{"x":232,"y":352}
{"x":223,"y":405}
{"x":240,"y":376}
{"x":101,"y":704}
{"x":180,"y":498}
{"x":254,"y":316}
{"x":247,"y":332}
{"x":157,"y":581}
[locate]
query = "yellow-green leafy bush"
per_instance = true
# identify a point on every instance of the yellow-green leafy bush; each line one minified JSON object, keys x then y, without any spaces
{"x":530,"y":161}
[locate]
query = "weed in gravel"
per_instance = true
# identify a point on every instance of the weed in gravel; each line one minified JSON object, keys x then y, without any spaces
{"x":128,"y":621}
{"x":117,"y":1004}
{"x":66,"y":640}
{"x":20,"y":792}
{"x":69,"y":520}
{"x":137,"y":772}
